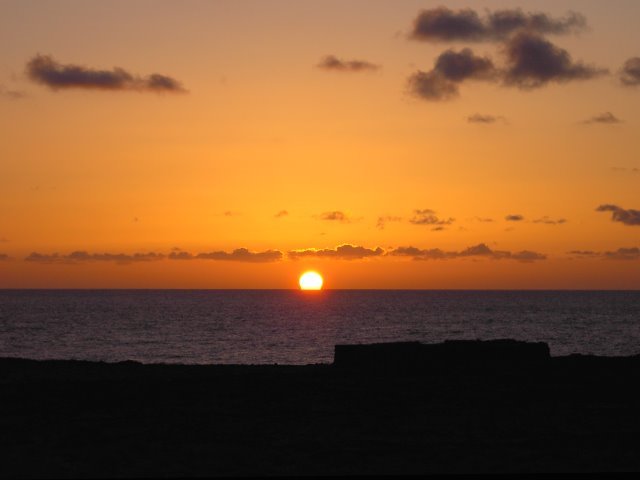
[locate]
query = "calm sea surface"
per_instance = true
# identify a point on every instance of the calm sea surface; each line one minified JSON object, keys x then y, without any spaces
{"x":292,"y":327}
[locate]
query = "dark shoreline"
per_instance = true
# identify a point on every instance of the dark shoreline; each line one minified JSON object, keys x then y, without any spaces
{"x":466,"y":408}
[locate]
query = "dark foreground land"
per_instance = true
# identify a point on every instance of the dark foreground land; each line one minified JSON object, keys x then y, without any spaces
{"x":453,"y":407}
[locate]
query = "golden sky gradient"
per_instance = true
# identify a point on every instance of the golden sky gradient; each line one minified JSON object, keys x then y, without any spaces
{"x":252,"y":139}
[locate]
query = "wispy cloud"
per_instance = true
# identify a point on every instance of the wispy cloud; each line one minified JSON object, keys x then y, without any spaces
{"x":342,"y":252}
{"x":550,"y":221}
{"x":514,"y":218}
{"x":618,"y":214}
{"x":11,"y":94}
{"x":486,"y":119}
{"x":45,"y":70}
{"x":428,"y":217}
{"x":633,"y":170}
{"x":4,"y":257}
{"x":281,"y":213}
{"x":383,"y":220}
{"x":334,"y":216}
{"x":335,"y":64}
{"x":606,"y":118}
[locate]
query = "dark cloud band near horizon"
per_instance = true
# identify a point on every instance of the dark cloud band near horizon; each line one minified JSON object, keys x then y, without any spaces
{"x":480,"y":250}
{"x":623,"y":253}
{"x":342,"y":252}
{"x":81,"y":256}
{"x":45,"y":70}
{"x":77,"y":257}
{"x":237,"y":255}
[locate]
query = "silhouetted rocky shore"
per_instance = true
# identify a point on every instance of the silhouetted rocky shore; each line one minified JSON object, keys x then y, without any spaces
{"x":499,"y":406}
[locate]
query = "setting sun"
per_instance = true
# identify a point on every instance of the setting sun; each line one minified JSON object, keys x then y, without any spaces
{"x":310,"y":281}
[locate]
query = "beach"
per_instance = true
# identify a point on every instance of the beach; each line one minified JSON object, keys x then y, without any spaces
{"x":560,"y":414}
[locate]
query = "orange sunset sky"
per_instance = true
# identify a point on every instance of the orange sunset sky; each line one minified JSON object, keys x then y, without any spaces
{"x":386,"y":144}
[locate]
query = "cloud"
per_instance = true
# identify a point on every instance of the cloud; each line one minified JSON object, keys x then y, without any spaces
{"x":442,"y":24}
{"x":606,"y":117}
{"x":83,"y":257}
{"x":584,"y":253}
{"x":431,"y":86}
{"x":45,"y":70}
{"x":477,"y":250}
{"x":334,"y":216}
{"x":549,"y":221}
{"x":238,"y":255}
{"x":181,"y":255}
{"x":428,"y":217}
{"x":514,"y":218}
{"x":526,"y":256}
{"x":485,"y":119}
{"x":335,"y":64}
{"x":281,"y":213}
{"x":630,"y":73}
{"x":451,"y":68}
{"x":464,"y":65}
{"x":634,"y":170}
{"x":382,"y":221}
{"x":533,"y":61}
{"x":3,"y":257}
{"x":11,"y":94}
{"x":627,"y":217}
{"x":632,"y":253}
{"x":342,"y":252}
{"x":480,"y":250}
{"x":445,"y":25}
{"x":419,"y":254}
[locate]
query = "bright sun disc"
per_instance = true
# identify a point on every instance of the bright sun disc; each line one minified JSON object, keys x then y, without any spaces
{"x":310,"y":281}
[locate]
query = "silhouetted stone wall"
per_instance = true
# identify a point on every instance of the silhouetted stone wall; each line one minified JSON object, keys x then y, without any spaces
{"x":458,"y":355}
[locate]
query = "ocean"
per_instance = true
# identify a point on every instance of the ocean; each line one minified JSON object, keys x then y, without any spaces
{"x":294,"y":327}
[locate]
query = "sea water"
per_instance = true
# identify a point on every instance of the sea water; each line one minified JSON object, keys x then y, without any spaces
{"x":294,"y":327}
